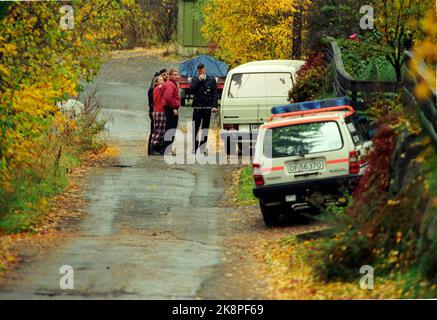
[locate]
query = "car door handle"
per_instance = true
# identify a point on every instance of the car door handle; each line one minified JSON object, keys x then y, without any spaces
{"x":231,"y":117}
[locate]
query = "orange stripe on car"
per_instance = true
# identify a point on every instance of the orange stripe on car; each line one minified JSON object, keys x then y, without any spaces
{"x":300,"y":121}
{"x":337,"y":161}
{"x":280,"y":168}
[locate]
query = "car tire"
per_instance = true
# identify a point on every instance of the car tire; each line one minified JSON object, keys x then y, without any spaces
{"x":271,"y":215}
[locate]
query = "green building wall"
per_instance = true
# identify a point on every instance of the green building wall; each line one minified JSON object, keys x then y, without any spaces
{"x":189,"y":36}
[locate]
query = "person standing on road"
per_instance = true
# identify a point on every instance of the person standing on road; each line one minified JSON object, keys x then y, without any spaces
{"x":157,"y":137}
{"x":172,"y":103}
{"x":205,"y":101}
{"x":164,"y":74}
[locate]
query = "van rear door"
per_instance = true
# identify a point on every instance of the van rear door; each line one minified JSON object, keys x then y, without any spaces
{"x":277,"y":86}
{"x":244,"y":96}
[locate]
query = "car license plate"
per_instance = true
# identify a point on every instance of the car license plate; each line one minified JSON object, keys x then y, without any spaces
{"x":290,"y":198}
{"x":254,"y":127}
{"x":306,"y":166}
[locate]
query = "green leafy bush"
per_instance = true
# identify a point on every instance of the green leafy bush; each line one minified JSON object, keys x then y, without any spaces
{"x":365,"y":58}
{"x":332,"y":18}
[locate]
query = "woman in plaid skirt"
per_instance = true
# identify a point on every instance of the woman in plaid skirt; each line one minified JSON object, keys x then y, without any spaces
{"x":158,"y":117}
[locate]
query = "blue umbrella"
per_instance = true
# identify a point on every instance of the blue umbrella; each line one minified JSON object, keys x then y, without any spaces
{"x":214,"y":67}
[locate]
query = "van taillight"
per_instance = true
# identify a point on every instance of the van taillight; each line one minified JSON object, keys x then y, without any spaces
{"x":257,"y":176}
{"x":354,"y":162}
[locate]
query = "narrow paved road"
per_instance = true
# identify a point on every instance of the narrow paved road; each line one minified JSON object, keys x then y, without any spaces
{"x":151,"y":230}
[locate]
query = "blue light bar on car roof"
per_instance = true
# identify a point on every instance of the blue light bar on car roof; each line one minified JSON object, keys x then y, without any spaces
{"x":311,"y":105}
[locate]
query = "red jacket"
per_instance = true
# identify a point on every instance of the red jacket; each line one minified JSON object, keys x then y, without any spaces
{"x":171,"y":95}
{"x":158,"y":101}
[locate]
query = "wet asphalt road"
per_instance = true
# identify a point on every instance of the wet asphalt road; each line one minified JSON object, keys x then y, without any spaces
{"x":151,"y":230}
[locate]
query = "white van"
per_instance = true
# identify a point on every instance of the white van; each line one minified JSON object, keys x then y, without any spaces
{"x":249,"y":93}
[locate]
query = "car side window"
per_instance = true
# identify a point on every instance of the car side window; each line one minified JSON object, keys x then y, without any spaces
{"x":356,"y":130}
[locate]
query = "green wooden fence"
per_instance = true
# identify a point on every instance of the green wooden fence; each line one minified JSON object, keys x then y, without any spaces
{"x":359,"y":91}
{"x":346,"y":85}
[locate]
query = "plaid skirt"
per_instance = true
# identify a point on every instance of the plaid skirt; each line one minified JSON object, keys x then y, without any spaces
{"x":159,"y":128}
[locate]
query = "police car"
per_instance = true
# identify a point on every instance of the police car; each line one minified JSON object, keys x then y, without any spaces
{"x":307,"y":154}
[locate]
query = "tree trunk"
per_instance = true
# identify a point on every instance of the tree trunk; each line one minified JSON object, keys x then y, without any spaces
{"x":398,"y":68}
{"x":297,"y":33}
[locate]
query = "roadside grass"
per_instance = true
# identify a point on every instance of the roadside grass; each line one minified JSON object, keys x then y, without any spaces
{"x":29,"y":202}
{"x":243,"y":189}
{"x":52,"y":204}
{"x":22,"y":208}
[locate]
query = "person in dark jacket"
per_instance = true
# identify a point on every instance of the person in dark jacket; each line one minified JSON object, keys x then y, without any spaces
{"x":205,"y":102}
{"x":164,"y":74}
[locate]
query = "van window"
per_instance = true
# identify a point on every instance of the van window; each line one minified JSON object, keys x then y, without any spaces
{"x":278,"y":84}
{"x":247,"y":85}
{"x":302,"y":139}
{"x":259,"y":85}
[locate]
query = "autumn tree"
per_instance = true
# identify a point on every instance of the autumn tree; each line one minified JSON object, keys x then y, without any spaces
{"x":137,"y":25}
{"x":251,"y":29}
{"x":425,"y":56}
{"x":41,"y":64}
{"x":399,"y":23}
{"x":164,"y":18}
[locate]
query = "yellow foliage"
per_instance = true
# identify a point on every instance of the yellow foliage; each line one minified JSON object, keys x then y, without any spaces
{"x":251,"y":29}
{"x":41,"y":64}
{"x":425,"y":56}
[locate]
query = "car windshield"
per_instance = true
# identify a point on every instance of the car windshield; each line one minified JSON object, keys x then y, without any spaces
{"x":253,"y":85}
{"x":302,"y":139}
